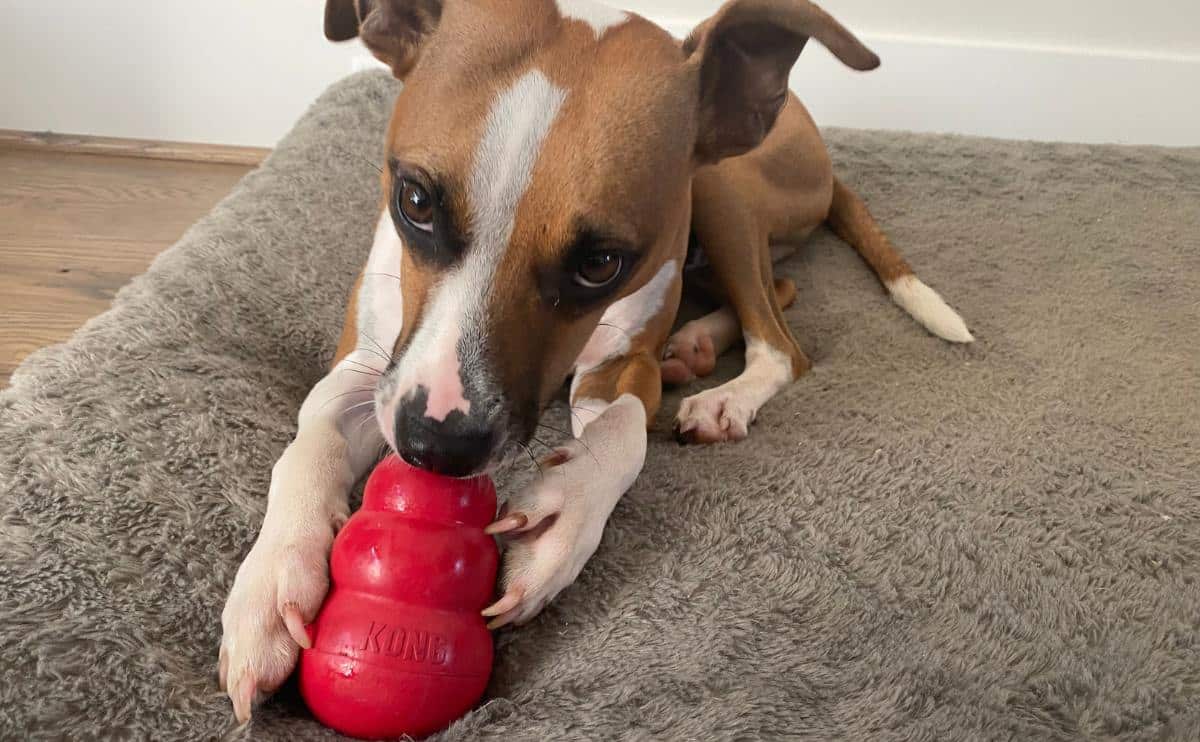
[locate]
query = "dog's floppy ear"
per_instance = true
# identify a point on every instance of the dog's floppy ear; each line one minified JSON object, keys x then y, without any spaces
{"x":745,"y":53}
{"x":394,"y":30}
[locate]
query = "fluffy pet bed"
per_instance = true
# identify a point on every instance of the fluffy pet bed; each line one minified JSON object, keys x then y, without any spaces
{"x":919,"y":541}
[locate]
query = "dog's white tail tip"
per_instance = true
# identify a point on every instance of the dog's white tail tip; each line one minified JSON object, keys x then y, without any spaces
{"x":928,"y":308}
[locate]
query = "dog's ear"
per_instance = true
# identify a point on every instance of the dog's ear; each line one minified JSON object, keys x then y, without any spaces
{"x":394,"y":30}
{"x":744,"y":54}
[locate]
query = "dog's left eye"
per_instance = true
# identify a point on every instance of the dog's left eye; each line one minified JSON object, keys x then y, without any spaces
{"x":598,"y":270}
{"x":416,"y":206}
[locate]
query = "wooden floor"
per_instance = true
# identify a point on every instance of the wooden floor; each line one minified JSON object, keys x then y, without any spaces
{"x":75,"y":227}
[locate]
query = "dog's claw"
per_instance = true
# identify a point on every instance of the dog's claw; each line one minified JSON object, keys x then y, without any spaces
{"x":683,"y":433}
{"x":243,"y":698}
{"x":503,"y":620}
{"x":508,"y":524}
{"x":506,"y":604}
{"x":295,"y":625}
{"x":222,"y":669}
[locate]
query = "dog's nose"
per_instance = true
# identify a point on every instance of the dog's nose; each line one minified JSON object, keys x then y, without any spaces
{"x":454,"y":447}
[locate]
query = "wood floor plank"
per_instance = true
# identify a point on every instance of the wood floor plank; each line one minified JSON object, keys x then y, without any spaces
{"x":66,"y":196}
{"x":75,"y":227}
{"x":84,"y":253}
{"x":48,"y":141}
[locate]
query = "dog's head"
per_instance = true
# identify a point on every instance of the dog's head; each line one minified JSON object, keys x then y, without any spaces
{"x":539,"y":165}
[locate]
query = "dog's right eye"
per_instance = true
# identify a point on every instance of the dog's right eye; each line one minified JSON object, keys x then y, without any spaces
{"x":598,"y":270}
{"x":416,"y":206}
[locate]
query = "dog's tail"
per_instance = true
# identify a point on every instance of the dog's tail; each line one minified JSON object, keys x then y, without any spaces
{"x":850,"y":219}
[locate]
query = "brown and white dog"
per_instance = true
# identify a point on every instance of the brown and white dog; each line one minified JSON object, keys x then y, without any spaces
{"x":547,"y":163}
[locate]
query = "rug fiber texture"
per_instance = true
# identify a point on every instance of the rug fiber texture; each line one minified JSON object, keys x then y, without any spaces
{"x":919,"y":541}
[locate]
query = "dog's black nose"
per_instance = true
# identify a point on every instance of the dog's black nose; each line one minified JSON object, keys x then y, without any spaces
{"x":454,"y":447}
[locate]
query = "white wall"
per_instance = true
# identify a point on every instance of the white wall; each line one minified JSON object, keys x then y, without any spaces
{"x":240,"y":72}
{"x":227,"y":71}
{"x":1168,"y":27}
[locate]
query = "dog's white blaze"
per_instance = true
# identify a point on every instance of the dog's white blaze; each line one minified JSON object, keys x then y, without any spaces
{"x":928,"y":308}
{"x":625,"y":319}
{"x":432,"y":361}
{"x":446,"y":394}
{"x":512,"y":140}
{"x":599,"y":16}
{"x":516,"y":127}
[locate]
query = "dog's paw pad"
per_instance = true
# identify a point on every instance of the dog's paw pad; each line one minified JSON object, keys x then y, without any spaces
{"x":690,"y":353}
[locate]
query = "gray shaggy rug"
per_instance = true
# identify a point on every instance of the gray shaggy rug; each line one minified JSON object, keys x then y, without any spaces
{"x":919,"y":541}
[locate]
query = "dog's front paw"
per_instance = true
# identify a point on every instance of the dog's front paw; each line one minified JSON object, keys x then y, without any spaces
{"x":714,"y":416}
{"x":551,"y":529}
{"x":278,"y":589}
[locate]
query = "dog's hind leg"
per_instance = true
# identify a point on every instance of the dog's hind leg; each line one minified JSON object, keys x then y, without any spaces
{"x":735,"y":232}
{"x":693,"y":349}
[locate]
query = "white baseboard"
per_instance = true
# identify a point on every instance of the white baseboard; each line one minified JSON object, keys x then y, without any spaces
{"x":1005,"y":90}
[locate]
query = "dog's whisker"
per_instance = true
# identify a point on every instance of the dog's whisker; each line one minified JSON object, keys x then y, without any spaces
{"x":586,"y":447}
{"x":366,"y":418}
{"x":372,"y":374}
{"x":532,"y":458}
{"x":507,"y":461}
{"x":371,"y":350}
{"x":351,"y":408}
{"x":360,"y":389}
{"x":618,"y":329}
{"x":345,"y":151}
{"x":578,"y":419}
{"x":382,"y":350}
{"x":364,"y":365}
{"x":553,"y":429}
{"x":571,"y":409}
{"x":385,"y":275}
{"x":364,"y":389}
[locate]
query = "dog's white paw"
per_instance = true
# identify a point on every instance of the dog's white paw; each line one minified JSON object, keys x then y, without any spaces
{"x":278,"y":589}
{"x":715,"y":416}
{"x":551,"y":529}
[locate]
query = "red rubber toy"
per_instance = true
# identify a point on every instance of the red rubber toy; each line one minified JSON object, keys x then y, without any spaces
{"x":400,"y":646}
